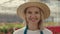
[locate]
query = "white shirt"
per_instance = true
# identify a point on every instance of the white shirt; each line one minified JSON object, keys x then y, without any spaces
{"x":21,"y":31}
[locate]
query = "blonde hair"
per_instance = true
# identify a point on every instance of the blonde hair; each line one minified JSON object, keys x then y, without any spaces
{"x":42,"y":18}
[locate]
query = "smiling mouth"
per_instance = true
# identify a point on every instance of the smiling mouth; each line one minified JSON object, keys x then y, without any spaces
{"x":33,"y":19}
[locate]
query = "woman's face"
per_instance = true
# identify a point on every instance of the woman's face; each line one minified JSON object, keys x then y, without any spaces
{"x":33,"y":15}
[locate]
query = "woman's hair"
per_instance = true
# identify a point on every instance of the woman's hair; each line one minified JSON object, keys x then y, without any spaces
{"x":32,"y":6}
{"x":40,"y":23}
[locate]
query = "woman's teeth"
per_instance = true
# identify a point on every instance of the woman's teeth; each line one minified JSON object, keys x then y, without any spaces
{"x":33,"y":18}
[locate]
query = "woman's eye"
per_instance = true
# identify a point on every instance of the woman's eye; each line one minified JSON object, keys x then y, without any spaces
{"x":29,"y":12}
{"x":36,"y":12}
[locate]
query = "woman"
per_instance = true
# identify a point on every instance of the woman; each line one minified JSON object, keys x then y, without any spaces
{"x":33,"y":13}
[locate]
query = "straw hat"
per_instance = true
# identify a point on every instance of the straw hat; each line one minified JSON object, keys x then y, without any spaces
{"x":44,"y":7}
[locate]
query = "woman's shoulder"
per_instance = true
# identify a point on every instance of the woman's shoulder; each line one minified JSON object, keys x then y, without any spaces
{"x":47,"y":31}
{"x":19,"y":31}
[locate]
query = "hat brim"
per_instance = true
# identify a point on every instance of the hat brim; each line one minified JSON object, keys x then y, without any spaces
{"x":44,"y":7}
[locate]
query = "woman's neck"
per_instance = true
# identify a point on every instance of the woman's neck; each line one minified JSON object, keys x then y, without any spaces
{"x":33,"y":26}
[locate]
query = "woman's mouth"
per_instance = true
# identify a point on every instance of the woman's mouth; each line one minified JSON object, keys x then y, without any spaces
{"x":33,"y":19}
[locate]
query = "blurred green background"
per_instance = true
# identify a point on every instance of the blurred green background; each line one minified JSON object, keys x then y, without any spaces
{"x":9,"y":21}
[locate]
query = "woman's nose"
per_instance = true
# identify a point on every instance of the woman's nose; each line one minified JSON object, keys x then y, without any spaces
{"x":33,"y":16}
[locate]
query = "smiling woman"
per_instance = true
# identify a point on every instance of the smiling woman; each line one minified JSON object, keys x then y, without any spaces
{"x":33,"y":13}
